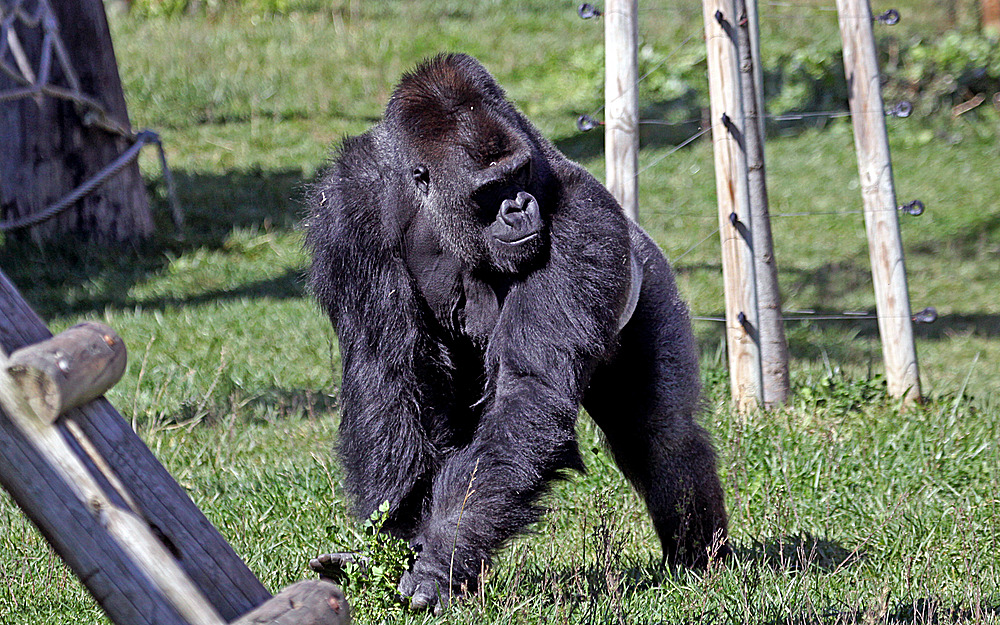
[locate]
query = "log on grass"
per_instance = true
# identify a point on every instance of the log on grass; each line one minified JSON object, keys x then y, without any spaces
{"x":141,"y":485}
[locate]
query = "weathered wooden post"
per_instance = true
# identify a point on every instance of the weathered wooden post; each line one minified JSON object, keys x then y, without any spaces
{"x":621,"y":103}
{"x":878,"y":192}
{"x":108,"y":508}
{"x":735,"y":221}
{"x":773,"y":344}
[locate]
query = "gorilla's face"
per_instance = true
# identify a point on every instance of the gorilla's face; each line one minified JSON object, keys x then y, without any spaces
{"x":476,"y":169}
{"x":486,"y":215}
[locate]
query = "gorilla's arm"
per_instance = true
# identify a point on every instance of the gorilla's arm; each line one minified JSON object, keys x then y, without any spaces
{"x":554,"y":327}
{"x":362,"y":285}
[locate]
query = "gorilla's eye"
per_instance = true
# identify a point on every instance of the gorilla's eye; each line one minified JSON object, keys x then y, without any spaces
{"x":422,"y":177}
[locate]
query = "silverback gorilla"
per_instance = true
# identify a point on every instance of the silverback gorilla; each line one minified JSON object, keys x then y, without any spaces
{"x":483,"y":287}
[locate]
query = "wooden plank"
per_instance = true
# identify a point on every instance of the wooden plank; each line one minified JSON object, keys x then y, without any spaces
{"x":773,"y":344}
{"x":621,"y":103}
{"x":125,"y":593}
{"x":885,"y":243}
{"x":204,"y":555}
{"x":735,"y":221}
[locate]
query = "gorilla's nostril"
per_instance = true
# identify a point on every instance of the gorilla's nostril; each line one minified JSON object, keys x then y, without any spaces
{"x":509,"y":211}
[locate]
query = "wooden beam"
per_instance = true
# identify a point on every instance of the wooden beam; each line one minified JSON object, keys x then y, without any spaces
{"x":735,"y":221}
{"x":773,"y":345}
{"x":68,"y":370}
{"x":124,"y":592}
{"x":140,"y":486}
{"x":621,"y":103}
{"x":142,"y":550}
{"x":885,"y":243}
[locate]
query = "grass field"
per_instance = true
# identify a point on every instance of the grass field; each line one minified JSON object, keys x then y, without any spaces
{"x":843,"y":508}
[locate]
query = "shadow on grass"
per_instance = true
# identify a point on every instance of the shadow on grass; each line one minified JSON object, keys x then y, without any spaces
{"x":799,"y":553}
{"x":268,"y":406}
{"x":917,"y":610}
{"x":63,"y":277}
{"x":594,"y":593}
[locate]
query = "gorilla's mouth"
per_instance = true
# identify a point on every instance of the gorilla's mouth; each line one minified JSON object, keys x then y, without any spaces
{"x":518,"y":241}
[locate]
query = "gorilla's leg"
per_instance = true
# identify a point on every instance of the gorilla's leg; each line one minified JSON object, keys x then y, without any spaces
{"x":645,"y":401}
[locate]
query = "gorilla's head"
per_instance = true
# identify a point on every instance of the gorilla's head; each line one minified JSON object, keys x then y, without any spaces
{"x":474,"y":163}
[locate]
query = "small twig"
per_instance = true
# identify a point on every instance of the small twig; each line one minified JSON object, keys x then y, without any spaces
{"x":454,"y":543}
{"x":963,"y":108}
{"x":138,"y":385}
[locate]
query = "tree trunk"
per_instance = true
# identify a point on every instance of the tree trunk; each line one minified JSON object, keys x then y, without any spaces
{"x":47,"y":146}
{"x":991,"y":16}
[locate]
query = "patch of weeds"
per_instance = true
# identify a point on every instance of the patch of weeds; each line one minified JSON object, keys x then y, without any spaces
{"x":370,"y":580}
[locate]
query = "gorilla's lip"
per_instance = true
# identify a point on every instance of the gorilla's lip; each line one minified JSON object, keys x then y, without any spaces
{"x":523,"y":239}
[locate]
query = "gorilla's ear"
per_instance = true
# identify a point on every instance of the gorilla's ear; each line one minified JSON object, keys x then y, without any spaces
{"x":422,"y":177}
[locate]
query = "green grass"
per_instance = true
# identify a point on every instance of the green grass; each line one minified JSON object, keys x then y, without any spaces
{"x":843,"y":508}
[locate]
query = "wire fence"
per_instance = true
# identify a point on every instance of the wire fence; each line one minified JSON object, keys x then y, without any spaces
{"x":902,"y":110}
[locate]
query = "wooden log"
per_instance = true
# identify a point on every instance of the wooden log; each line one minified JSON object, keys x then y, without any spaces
{"x":51,"y":145}
{"x":773,"y":345}
{"x":735,"y":221}
{"x":753,"y":22}
{"x":621,"y":103}
{"x":68,"y":370}
{"x":124,"y":592}
{"x":315,"y":602}
{"x":163,"y":505}
{"x":885,"y":244}
{"x":142,"y":550}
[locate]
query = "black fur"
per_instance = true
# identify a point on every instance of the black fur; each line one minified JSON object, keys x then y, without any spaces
{"x":476,"y":279}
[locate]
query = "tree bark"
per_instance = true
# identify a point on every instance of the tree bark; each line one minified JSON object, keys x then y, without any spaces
{"x":991,"y":16}
{"x":50,"y":146}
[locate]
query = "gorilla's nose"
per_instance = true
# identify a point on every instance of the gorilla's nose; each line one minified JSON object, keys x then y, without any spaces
{"x":512,"y":210}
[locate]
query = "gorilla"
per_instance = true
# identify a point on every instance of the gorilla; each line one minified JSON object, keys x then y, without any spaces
{"x":482,"y":287}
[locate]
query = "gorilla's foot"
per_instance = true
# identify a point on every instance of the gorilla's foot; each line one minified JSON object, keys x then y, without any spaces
{"x":333,"y":566}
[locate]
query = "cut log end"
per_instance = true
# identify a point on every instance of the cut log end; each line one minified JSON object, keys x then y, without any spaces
{"x":69,"y":369}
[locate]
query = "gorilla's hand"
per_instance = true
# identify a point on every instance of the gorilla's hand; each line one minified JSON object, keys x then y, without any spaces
{"x":333,"y":566}
{"x":425,"y":588}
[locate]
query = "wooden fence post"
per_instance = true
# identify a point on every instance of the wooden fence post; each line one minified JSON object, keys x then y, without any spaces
{"x":735,"y":221}
{"x":621,"y":103}
{"x":773,"y":344}
{"x":879,"y":194}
